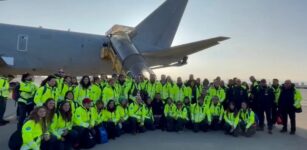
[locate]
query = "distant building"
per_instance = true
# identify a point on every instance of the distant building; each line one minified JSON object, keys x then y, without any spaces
{"x":296,"y":84}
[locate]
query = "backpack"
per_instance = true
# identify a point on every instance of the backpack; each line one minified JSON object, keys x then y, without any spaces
{"x":16,"y":92}
{"x":15,"y":141}
{"x":103,"y":136}
{"x":88,"y":140}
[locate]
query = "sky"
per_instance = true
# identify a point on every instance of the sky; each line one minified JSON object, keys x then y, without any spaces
{"x":268,"y":37}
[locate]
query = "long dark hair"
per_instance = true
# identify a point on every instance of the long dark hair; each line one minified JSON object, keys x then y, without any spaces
{"x":34,"y":116}
{"x":50,"y":113}
{"x":67,"y":116}
{"x":65,"y":98}
{"x":108,"y":106}
{"x":47,"y":80}
{"x":24,"y":76}
{"x":234,"y":110}
{"x":83,"y":84}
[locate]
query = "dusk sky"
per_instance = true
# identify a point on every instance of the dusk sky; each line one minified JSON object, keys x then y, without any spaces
{"x":268,"y":37}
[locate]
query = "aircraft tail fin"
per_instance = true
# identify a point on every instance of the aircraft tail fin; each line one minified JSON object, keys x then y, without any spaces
{"x":159,"y":28}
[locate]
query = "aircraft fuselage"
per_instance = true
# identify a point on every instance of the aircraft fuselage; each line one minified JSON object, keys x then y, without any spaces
{"x":43,"y":51}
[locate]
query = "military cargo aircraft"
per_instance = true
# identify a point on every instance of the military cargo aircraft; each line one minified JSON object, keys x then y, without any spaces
{"x":138,"y":49}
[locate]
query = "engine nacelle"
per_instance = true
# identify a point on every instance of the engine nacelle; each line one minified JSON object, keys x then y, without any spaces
{"x":130,"y":57}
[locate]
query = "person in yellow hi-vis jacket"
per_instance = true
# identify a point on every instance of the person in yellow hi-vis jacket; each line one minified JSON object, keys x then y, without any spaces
{"x":164,"y":87}
{"x":110,"y":92}
{"x":247,"y":120}
{"x":200,"y":116}
{"x":82,"y":120}
{"x":98,"y":116}
{"x":216,"y":112}
{"x":47,"y":90}
{"x":84,"y":90}
{"x":111,"y":120}
{"x":65,"y":87}
{"x":4,"y":93}
{"x":96,"y":90}
{"x":152,"y":87}
{"x":170,"y":115}
{"x":135,"y":115}
{"x":148,"y":117}
{"x":181,"y":117}
{"x":61,"y":127}
{"x":33,"y":129}
{"x":288,"y":105}
{"x":216,"y":90}
{"x":123,"y":111}
{"x":27,"y":91}
{"x":50,"y":118}
{"x":69,"y":97}
{"x":231,"y":118}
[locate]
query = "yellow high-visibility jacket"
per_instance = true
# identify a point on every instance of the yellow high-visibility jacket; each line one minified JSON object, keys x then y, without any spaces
{"x":31,"y":135}
{"x":44,"y":93}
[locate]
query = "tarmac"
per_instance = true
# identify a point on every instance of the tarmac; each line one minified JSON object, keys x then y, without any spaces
{"x":187,"y":140}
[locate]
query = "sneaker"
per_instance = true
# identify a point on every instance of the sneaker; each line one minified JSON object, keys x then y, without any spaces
{"x":292,"y":133}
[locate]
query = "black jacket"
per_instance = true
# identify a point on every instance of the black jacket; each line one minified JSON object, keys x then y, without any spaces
{"x":157,"y":107}
{"x":264,"y":98}
{"x":286,"y":99}
{"x":238,"y":95}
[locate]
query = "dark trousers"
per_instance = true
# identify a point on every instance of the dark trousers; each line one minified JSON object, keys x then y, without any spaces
{"x":249,"y":132}
{"x":228,"y":128}
{"x":149,"y":124}
{"x":169,"y":124}
{"x":97,"y":132}
{"x":135,"y":126}
{"x":216,"y":124}
{"x":23,"y":111}
{"x":126,"y":126}
{"x":158,"y":123}
{"x":2,"y":107}
{"x":203,"y":126}
{"x":50,"y":144}
{"x":79,"y":132}
{"x":274,"y":113}
{"x":68,"y":142}
{"x":112,"y":130}
{"x":179,"y":124}
{"x":268,"y":115}
{"x":284,"y":116}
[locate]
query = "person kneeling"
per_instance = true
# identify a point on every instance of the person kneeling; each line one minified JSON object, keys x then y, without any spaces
{"x":84,"y":126}
{"x":216,"y":112}
{"x":61,"y":127}
{"x":33,"y":129}
{"x":231,"y":119}
{"x":247,"y":120}
{"x":200,"y":116}
{"x":169,"y":115}
{"x":181,"y":116}
{"x":123,"y":111}
{"x":135,"y":116}
{"x":111,"y":120}
{"x":148,"y":117}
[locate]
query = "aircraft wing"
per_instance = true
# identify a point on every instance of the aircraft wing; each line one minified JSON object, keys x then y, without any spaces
{"x":185,"y":49}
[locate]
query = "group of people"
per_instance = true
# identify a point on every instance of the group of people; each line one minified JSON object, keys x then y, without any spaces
{"x":61,"y":112}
